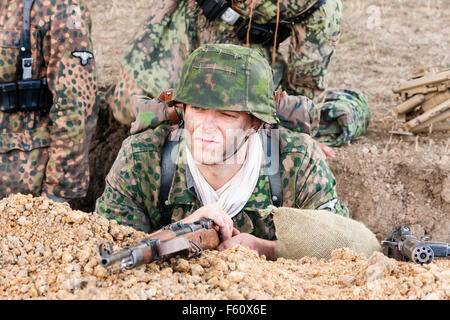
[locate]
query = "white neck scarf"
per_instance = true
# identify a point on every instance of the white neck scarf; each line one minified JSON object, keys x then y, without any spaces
{"x":234,"y":194}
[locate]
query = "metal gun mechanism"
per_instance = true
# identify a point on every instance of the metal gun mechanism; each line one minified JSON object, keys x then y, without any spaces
{"x":403,"y":246}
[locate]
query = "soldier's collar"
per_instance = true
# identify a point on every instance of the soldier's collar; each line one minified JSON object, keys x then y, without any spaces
{"x":182,"y":191}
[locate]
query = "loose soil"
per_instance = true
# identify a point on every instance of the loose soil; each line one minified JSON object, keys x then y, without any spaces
{"x":48,"y":251}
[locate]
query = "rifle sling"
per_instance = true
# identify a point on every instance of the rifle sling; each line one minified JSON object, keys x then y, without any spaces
{"x":167,"y":172}
{"x":273,"y":159}
{"x":25,"y":44}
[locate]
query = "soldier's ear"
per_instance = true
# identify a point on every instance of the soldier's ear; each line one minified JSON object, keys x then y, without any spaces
{"x":183,"y":109}
{"x":256,"y":123}
{"x":259,"y":126}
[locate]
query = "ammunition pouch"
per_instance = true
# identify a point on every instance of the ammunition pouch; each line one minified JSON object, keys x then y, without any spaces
{"x":25,"y":95}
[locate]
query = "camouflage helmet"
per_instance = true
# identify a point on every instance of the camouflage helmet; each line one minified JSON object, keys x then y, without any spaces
{"x":229,"y":78}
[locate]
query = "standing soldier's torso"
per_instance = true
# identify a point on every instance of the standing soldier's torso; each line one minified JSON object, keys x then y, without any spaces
{"x":23,"y":130}
{"x":11,"y":12}
{"x":32,"y":140}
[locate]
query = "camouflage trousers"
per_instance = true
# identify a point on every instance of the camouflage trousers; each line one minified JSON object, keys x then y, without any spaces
{"x":152,"y":63}
{"x":344,"y":116}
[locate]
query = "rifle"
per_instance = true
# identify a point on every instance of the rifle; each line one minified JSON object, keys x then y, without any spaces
{"x":187,"y":239}
{"x":402,"y":245}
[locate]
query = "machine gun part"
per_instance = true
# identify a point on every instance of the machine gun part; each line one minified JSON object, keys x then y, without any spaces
{"x":402,"y":245}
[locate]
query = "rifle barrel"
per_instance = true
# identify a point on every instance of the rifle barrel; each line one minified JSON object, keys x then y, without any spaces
{"x":440,"y":249}
{"x":111,"y":259}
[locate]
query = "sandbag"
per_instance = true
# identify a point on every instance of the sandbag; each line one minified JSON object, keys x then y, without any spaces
{"x":316,"y":233}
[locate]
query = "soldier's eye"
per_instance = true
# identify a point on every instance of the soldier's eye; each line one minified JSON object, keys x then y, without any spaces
{"x":229,"y":115}
{"x":198,"y":109}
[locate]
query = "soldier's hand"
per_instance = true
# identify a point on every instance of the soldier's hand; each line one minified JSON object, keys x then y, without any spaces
{"x":329,"y":152}
{"x":262,"y":246}
{"x":215,"y":213}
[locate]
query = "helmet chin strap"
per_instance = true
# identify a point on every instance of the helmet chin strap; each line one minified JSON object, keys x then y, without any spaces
{"x":225,"y":157}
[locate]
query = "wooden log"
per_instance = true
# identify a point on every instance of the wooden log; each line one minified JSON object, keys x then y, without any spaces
{"x":423,"y":83}
{"x":435,"y":127}
{"x":409,"y":104}
{"x":427,"y":115}
{"x":441,"y":117}
{"x":436,"y":99}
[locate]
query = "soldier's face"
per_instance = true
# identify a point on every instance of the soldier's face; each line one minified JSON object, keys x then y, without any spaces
{"x":213,"y":136}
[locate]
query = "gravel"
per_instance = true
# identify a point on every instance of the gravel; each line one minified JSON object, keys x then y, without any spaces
{"x":49,"y":251}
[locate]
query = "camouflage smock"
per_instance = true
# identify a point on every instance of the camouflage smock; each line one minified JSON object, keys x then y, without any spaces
{"x":175,"y":28}
{"x":133,"y":184}
{"x":49,"y":152}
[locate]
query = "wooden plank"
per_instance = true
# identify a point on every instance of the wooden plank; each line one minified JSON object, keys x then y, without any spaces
{"x":427,"y":115}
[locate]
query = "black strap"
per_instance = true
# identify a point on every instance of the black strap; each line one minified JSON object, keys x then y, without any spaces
{"x":167,"y":172}
{"x":25,"y":62}
{"x":272,"y":142}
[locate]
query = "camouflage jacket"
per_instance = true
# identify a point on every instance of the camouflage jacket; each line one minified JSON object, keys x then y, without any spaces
{"x":49,"y":152}
{"x":132,"y":185}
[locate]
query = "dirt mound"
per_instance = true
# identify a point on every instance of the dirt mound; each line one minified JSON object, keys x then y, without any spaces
{"x":49,"y":251}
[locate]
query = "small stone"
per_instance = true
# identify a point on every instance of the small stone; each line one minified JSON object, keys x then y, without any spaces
{"x":66,"y":257}
{"x":235,"y":296}
{"x":235,"y":276}
{"x":77,"y":217}
{"x":100,"y":272}
{"x":196,"y":269}
{"x":378,"y":266}
{"x":347,"y":280}
{"x":220,"y":283}
{"x":182,"y":266}
{"x":22,"y":221}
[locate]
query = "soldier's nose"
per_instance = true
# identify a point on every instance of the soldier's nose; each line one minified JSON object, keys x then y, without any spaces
{"x":210,"y":119}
